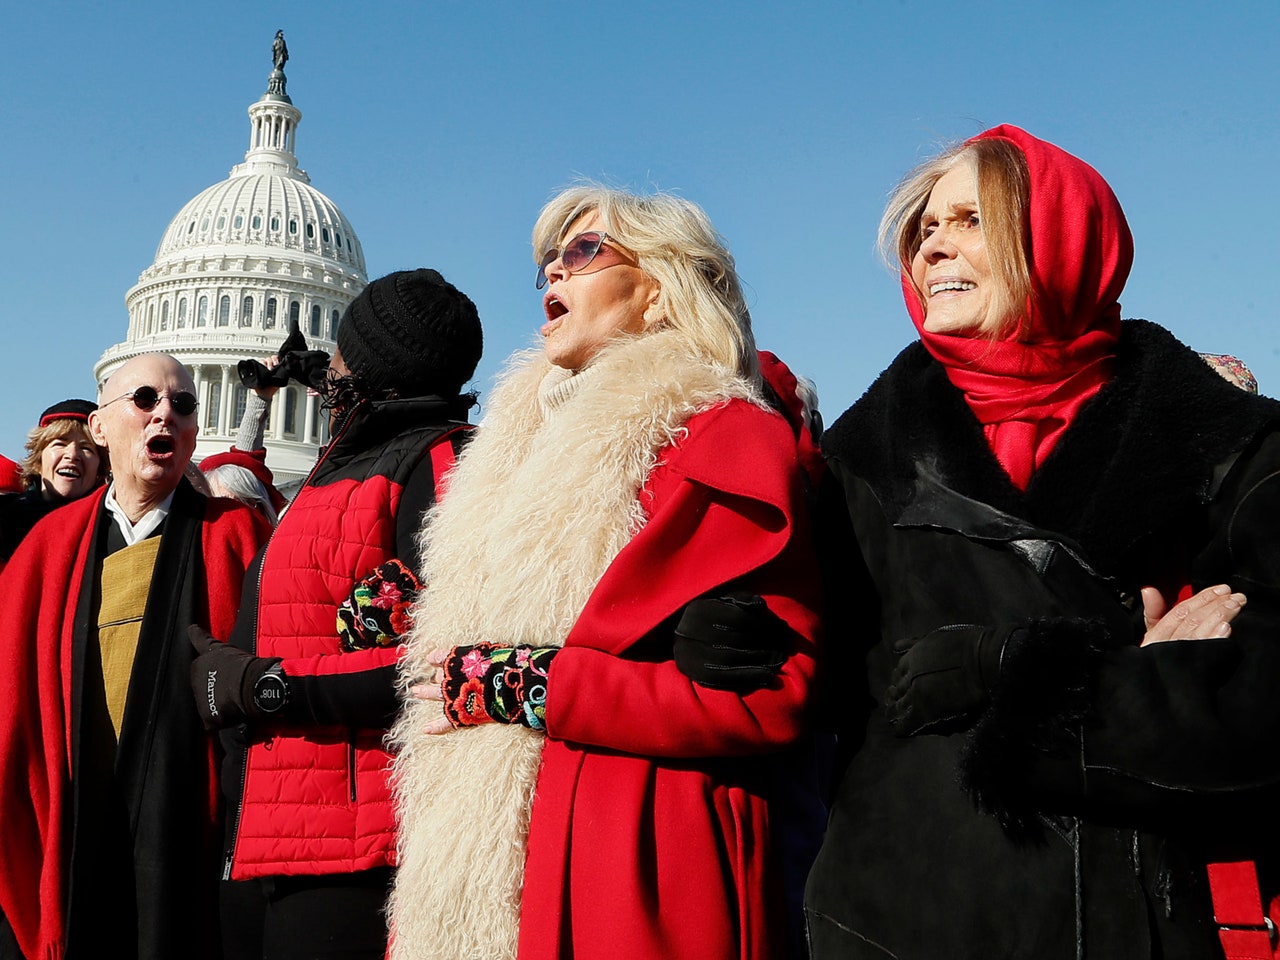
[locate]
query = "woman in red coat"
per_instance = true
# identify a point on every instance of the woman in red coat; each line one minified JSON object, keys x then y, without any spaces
{"x":631,"y":496}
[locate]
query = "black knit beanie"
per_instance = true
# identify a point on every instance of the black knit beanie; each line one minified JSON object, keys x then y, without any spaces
{"x":68,"y":410}
{"x":413,"y":332}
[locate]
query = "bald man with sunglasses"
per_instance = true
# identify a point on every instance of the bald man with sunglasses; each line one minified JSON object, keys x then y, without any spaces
{"x":108,"y":816}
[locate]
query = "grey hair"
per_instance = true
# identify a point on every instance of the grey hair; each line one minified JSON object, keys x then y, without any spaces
{"x":675,"y":244}
{"x":239,"y":483}
{"x":807,"y":394}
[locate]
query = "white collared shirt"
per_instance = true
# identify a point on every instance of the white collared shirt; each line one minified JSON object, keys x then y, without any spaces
{"x":147,"y":523}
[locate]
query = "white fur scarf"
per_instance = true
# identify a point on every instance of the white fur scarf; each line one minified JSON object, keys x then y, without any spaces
{"x":540,"y":503}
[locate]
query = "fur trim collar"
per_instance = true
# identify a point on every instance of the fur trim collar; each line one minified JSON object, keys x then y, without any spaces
{"x":1113,"y":478}
{"x":540,"y":503}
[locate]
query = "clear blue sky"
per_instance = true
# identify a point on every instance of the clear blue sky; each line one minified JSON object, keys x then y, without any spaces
{"x":440,"y":128}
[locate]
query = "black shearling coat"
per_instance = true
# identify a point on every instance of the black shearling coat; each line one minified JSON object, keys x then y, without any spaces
{"x":1070,"y":811}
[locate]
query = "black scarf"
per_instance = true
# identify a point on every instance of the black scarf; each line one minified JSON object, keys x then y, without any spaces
{"x":143,"y":856}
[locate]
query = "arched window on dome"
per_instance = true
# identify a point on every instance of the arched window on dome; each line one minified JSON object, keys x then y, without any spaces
{"x":275,"y":224}
{"x":182,"y":312}
{"x":214,"y":410}
{"x":315,"y":320}
{"x":191,"y":227}
{"x":238,"y":222}
{"x":333,"y":325}
{"x":269,"y":318}
{"x":295,"y":313}
{"x":293,"y":227}
{"x":324,"y":234}
{"x":222,"y":221}
{"x":224,"y":311}
{"x":246,"y":312}
{"x":164,"y":315}
{"x":311,"y":231}
{"x":257,"y":222}
{"x":202,"y":312}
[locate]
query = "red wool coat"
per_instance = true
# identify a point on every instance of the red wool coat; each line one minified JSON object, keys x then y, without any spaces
{"x":41,"y":584}
{"x":649,"y":833}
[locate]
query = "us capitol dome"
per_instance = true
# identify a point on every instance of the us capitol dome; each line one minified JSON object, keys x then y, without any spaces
{"x":240,"y":263}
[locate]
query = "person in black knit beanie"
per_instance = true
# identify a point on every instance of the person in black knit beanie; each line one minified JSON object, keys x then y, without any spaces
{"x":412,"y":332}
{"x":305,"y":688}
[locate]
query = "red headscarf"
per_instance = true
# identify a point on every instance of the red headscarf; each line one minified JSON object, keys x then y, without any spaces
{"x":1026,"y":388}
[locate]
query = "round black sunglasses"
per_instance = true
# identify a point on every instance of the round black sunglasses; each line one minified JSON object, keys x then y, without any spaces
{"x":145,"y":399}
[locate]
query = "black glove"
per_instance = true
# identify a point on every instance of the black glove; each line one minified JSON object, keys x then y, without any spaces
{"x":734,"y":642}
{"x":943,"y":676}
{"x":223,"y":678}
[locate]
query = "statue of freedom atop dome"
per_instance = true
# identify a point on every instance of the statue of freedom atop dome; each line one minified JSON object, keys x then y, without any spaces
{"x":279,"y":51}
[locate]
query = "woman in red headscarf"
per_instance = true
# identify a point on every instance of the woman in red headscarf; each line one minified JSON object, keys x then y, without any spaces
{"x":1022,"y":508}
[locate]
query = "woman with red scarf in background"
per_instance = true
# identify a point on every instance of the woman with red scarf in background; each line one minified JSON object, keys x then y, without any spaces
{"x":1021,"y":509}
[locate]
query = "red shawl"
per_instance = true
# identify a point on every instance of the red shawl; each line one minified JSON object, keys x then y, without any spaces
{"x":41,"y":584}
{"x":1027,"y":388}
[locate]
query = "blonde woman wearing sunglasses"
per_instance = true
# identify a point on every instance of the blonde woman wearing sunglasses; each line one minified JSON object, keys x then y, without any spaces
{"x":579,"y":768}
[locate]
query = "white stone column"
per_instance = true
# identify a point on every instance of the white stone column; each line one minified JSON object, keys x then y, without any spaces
{"x":224,"y":414}
{"x":277,"y":414}
{"x":308,"y":417}
{"x":202,"y":394}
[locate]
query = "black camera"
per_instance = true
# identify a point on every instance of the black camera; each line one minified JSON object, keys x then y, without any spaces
{"x":308,"y":367}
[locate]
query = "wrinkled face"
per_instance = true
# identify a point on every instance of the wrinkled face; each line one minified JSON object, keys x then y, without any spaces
{"x":586,"y":310}
{"x":950,"y":269}
{"x":149,"y":449}
{"x":69,"y":465}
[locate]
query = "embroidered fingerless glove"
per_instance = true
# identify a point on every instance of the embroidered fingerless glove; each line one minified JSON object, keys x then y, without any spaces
{"x":485,"y":683}
{"x":376,"y":614}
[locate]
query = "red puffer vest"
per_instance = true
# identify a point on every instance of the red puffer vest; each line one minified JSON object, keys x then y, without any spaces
{"x":315,"y":800}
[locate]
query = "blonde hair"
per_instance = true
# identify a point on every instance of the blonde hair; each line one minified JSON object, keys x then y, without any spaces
{"x":1004,"y":198}
{"x":41,"y":437}
{"x":675,"y":244}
